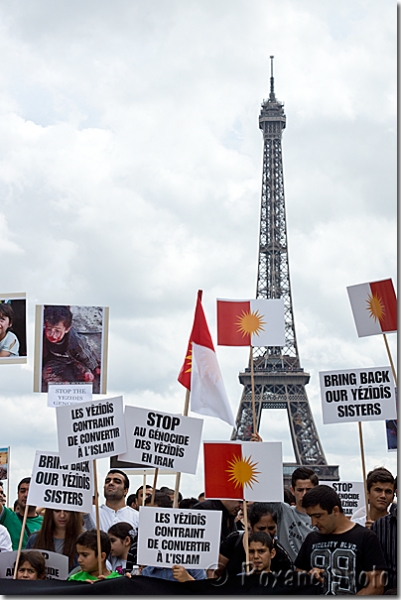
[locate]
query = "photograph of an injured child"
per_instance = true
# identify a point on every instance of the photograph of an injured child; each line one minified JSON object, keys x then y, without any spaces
{"x":72,"y":344}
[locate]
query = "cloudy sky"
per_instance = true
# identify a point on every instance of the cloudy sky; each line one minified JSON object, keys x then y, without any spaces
{"x":130,"y":177}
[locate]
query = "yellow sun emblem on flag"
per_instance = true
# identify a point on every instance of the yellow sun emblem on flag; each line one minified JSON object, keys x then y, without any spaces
{"x":250,"y":323}
{"x":189,"y":359}
{"x":242,"y":471}
{"x":375,"y":307}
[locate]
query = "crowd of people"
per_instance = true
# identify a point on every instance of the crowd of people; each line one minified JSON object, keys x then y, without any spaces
{"x":308,"y":533}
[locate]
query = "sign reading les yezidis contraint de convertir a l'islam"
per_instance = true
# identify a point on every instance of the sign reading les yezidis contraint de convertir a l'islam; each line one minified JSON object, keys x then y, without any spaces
{"x":91,"y":430}
{"x":168,"y":536}
{"x":357,"y":395}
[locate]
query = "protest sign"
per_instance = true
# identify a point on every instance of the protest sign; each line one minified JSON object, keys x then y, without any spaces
{"x":4,"y":463}
{"x":162,"y":440}
{"x":351,"y":493}
{"x":168,"y":536}
{"x":56,"y":564}
{"x":62,"y":395}
{"x":357,"y":395}
{"x":13,"y":344}
{"x":58,"y":486}
{"x":91,"y":430}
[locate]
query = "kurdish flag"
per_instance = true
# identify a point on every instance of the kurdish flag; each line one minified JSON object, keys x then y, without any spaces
{"x":244,"y":471}
{"x":250,"y":322}
{"x":374,"y":306}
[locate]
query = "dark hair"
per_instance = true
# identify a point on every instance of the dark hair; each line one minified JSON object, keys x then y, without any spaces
{"x":170,"y":492}
{"x":188,"y":502}
{"x":7,"y":311}
{"x":57,"y":314}
{"x":289,"y":497}
{"x":89,"y":540}
{"x":304,"y":473}
{"x":122,"y":530}
{"x":126,"y":480}
{"x":395,"y":484}
{"x":131,"y":498}
{"x":161,"y":500}
{"x":263,"y":538}
{"x":44,"y":538}
{"x":324,"y":496}
{"x":36,"y":560}
{"x":257,"y":510}
{"x":25,"y":480}
{"x":148,"y":487}
{"x":379,"y":475}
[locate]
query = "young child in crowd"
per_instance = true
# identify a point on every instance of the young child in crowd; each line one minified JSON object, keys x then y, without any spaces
{"x":67,"y":357}
{"x":31,"y":566}
{"x":261,"y":552}
{"x":9,"y":344}
{"x":88,"y":557}
{"x":121,"y":538}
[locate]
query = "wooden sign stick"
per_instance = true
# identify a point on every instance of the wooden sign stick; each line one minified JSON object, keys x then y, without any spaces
{"x":246,"y":535}
{"x":255,"y":429}
{"x":152,"y":501}
{"x":178,"y":475}
{"x":390,"y":359}
{"x":99,"y":545}
{"x":21,"y":539}
{"x":363,"y":468}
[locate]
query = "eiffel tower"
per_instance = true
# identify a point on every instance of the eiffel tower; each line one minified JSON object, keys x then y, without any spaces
{"x":279,"y":379}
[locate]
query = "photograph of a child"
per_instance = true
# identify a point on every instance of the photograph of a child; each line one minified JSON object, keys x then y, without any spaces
{"x":13,"y":329}
{"x":71,"y":342}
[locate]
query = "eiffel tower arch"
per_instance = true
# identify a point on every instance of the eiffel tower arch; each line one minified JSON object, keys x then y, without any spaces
{"x":279,"y":379}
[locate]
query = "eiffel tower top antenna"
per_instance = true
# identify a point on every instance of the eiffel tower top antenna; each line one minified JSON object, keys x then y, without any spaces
{"x":272,"y":96}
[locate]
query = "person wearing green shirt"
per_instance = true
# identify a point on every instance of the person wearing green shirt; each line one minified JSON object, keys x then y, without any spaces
{"x":13,"y":521}
{"x":88,"y":558}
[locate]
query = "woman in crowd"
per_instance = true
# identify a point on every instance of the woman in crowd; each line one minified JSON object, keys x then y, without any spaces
{"x":59,"y":532}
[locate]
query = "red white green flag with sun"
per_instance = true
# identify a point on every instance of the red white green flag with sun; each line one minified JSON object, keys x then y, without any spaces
{"x":244,"y":471}
{"x":374,"y":306}
{"x":250,"y":322}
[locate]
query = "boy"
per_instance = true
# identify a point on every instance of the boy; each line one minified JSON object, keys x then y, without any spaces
{"x":9,"y":344}
{"x":380,"y":487}
{"x":261,"y":552}
{"x":67,"y":357}
{"x":88,"y":557}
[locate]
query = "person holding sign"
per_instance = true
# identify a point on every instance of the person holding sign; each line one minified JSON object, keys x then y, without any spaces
{"x":380,"y":494}
{"x":59,"y":532}
{"x":345,"y":557}
{"x":88,"y":557}
{"x":13,"y":521}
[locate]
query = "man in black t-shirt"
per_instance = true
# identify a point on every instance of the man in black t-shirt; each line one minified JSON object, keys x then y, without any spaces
{"x":229,"y":510}
{"x":345,"y":557}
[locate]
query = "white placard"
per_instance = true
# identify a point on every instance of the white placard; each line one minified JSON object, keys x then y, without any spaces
{"x":91,"y":430}
{"x":63,"y":395}
{"x":168,"y":536}
{"x":162,"y":440}
{"x":58,"y":486}
{"x":357,"y":395}
{"x":56,"y":564}
{"x":351,"y":493}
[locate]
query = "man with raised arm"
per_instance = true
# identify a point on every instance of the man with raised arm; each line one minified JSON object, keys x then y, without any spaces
{"x":13,"y":521}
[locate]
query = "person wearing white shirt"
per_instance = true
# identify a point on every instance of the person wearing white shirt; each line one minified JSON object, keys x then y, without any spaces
{"x":5,"y":540}
{"x":114,"y":510}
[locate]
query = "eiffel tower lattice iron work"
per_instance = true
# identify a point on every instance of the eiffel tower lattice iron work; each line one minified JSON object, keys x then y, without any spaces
{"x":279,"y":379}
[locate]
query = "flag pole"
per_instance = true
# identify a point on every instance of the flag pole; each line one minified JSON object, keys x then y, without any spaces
{"x":154,"y":486}
{"x":255,"y":430}
{"x":178,"y":475}
{"x":390,"y":359}
{"x":143,"y":488}
{"x":99,"y":546}
{"x":21,"y":538}
{"x":363,"y":468}
{"x":246,"y":534}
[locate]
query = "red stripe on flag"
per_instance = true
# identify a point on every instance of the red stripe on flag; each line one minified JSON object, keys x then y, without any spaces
{"x":200,"y":334}
{"x":217,"y":459}
{"x":228,"y":330}
{"x":384,"y":290}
